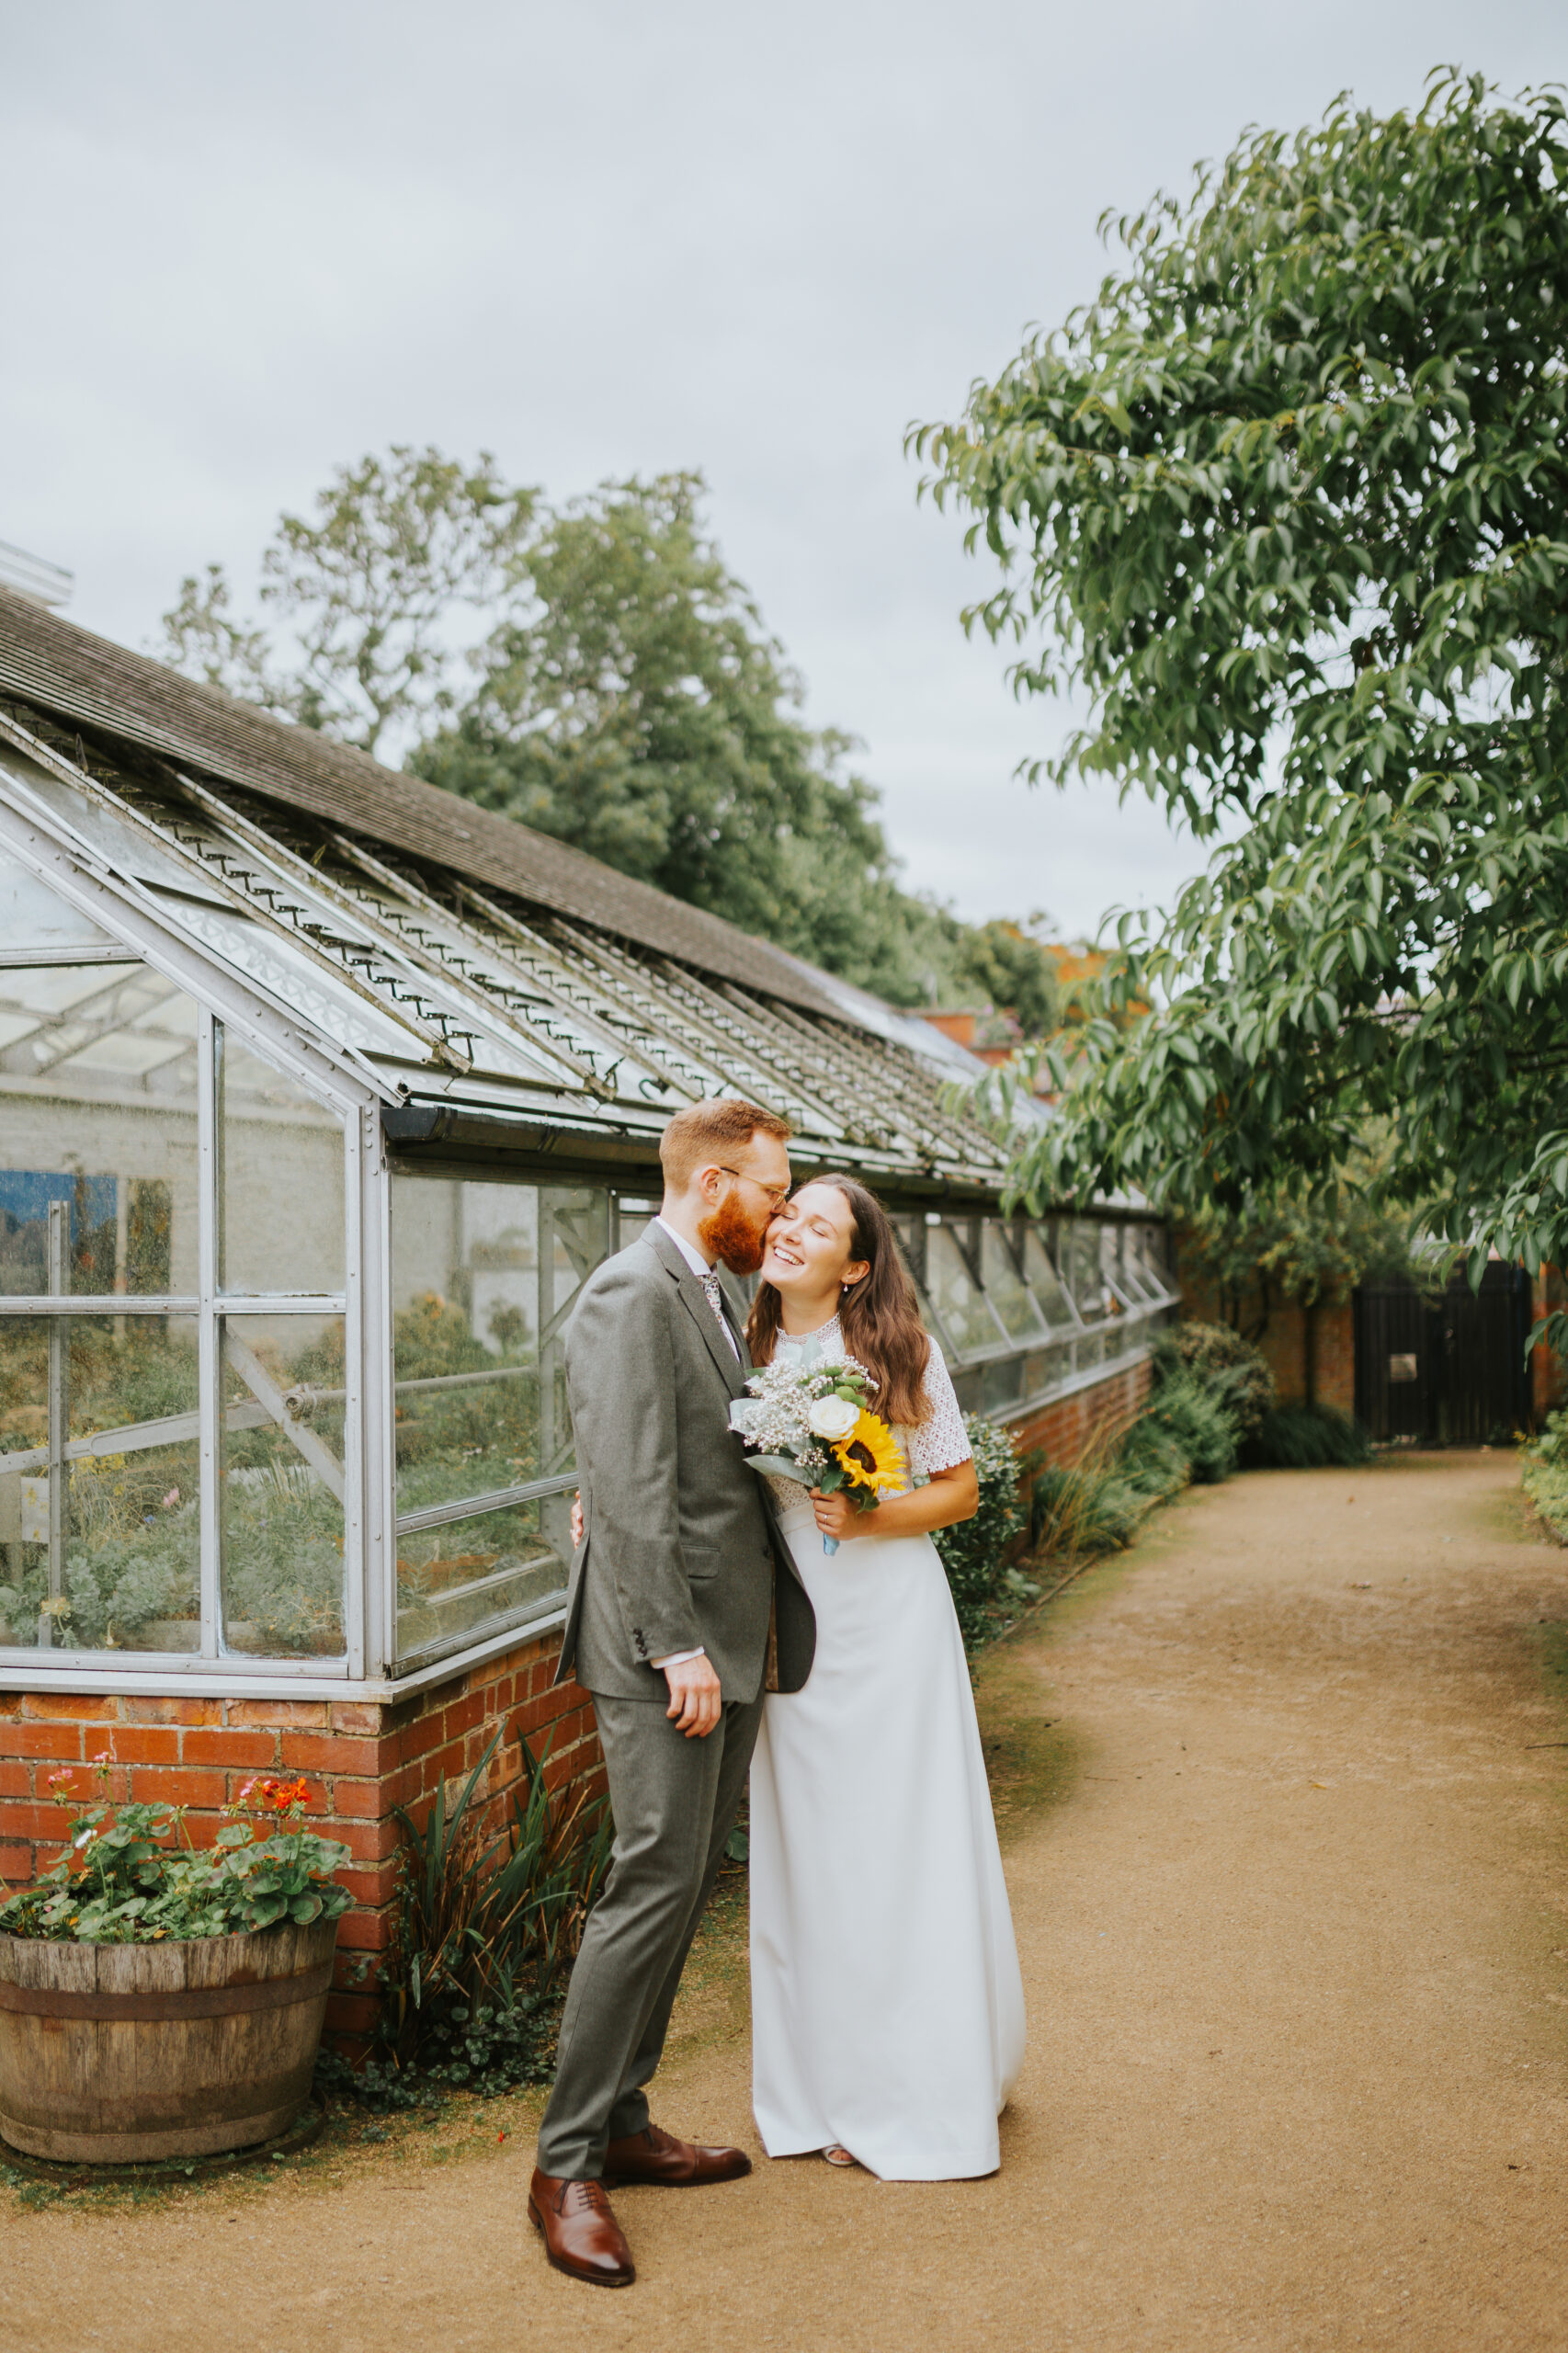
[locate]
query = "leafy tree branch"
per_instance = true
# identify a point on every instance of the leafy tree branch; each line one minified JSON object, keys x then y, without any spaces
{"x":1286,"y":501}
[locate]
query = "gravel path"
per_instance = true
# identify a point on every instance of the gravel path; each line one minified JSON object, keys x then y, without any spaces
{"x":1287,"y":1858}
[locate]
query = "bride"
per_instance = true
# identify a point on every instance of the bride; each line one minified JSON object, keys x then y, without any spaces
{"x":887,"y":2008}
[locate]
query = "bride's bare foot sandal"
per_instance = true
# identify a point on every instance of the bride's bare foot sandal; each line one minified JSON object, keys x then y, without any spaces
{"x":836,"y":2155}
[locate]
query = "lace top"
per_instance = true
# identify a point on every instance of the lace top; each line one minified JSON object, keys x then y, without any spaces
{"x":938,"y":1443}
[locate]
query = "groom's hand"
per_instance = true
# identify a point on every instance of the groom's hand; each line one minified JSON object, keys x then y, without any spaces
{"x":695,"y":1700}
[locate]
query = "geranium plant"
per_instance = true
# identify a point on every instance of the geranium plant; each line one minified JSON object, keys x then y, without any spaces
{"x":131,"y":1874}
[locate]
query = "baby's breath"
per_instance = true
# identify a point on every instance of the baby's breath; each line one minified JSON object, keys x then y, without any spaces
{"x":772,"y":1419}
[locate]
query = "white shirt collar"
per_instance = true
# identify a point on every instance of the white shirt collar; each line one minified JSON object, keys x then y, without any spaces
{"x":694,"y":1258}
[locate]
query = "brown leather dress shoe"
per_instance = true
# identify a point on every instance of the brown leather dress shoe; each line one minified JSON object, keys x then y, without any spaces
{"x":658,"y":2158}
{"x":581,"y":2234}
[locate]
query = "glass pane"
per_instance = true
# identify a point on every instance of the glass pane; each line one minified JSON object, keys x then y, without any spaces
{"x":1002,"y":1384}
{"x":451,"y":1579}
{"x":1005,"y":1286}
{"x":1044,"y":1281}
{"x":31,"y":916}
{"x":633,"y":1219}
{"x":1085,"y":1279}
{"x":97,"y":1110}
{"x":1144,"y":1255}
{"x":1045,"y":1367}
{"x":99,"y":1510}
{"x":281,"y":1191}
{"x":281,"y":1472}
{"x":483,"y":1278}
{"x":955,"y":1295}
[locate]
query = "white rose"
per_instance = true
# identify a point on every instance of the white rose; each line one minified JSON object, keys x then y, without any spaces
{"x":832,"y":1418}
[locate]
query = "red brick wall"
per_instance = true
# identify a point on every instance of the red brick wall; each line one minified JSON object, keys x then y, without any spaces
{"x":1549,"y":1374}
{"x":361,"y":1759}
{"x":1283,"y":1339}
{"x":1065,"y":1431}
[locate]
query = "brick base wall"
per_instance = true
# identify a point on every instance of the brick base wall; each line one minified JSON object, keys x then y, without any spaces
{"x":361,"y":1759}
{"x":1065,"y":1431}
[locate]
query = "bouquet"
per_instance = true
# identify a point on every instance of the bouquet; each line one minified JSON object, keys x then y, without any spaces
{"x":814,"y":1423}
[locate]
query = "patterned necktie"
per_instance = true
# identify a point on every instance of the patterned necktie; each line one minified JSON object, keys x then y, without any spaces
{"x":711,"y":1293}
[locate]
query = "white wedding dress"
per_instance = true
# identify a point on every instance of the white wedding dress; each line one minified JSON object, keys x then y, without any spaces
{"x":886,"y":2007}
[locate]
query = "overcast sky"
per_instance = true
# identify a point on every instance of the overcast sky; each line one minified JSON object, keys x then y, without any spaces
{"x":605,"y":239}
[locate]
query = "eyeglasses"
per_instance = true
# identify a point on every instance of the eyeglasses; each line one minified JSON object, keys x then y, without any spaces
{"x":776,"y":1195}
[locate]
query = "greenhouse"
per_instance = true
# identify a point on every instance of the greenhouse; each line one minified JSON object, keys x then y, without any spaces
{"x":321,"y":1094}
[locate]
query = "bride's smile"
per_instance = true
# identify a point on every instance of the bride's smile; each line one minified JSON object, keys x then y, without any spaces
{"x":810,"y":1256}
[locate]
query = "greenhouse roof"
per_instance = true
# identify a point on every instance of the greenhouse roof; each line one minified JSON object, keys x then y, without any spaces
{"x":480,"y":979}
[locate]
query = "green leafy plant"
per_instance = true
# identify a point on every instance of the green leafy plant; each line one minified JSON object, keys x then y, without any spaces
{"x":130,"y":1874}
{"x":1545,"y":1473}
{"x":1196,"y":1415}
{"x":1306,"y":1437}
{"x":1084,"y":1509}
{"x":484,"y":1921}
{"x":1233,"y":1371}
{"x":985,"y":1582}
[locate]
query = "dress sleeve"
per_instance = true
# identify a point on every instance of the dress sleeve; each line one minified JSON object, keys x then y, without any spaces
{"x":938,"y":1443}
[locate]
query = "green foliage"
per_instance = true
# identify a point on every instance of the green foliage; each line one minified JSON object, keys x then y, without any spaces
{"x":1288,"y":499}
{"x":974,"y":1554}
{"x":369,"y":585}
{"x":1309,"y":1251}
{"x":1232,"y":1370}
{"x":1189,"y":1430}
{"x":1193,"y":1412}
{"x":484,"y":1921}
{"x":1306,"y":1437}
{"x":625,"y":696}
{"x":1010,"y":965}
{"x":1545,"y":1473}
{"x":131,"y":1876}
{"x":636,"y":707}
{"x":1095,"y":1506}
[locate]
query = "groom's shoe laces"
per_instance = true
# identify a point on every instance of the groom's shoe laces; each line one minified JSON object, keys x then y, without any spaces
{"x":582,"y":2197}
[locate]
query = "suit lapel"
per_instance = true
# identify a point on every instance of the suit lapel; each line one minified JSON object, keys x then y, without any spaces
{"x":730,"y":1367}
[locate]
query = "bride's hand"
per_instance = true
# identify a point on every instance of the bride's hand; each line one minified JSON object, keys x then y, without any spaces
{"x":836,"y":1516}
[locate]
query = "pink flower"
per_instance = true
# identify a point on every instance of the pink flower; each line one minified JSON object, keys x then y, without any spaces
{"x":171,"y":1499}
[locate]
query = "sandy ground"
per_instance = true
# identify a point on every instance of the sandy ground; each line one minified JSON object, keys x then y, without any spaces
{"x":1287,"y":1855}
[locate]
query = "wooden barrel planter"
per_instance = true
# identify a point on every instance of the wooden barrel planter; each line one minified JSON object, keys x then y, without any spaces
{"x":117,"y":2052}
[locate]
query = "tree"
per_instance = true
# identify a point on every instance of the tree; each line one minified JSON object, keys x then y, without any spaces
{"x":623,"y":694}
{"x":1012,"y":963}
{"x":1308,"y":1254}
{"x":1288,"y":498}
{"x":636,"y":707}
{"x":371,"y":586}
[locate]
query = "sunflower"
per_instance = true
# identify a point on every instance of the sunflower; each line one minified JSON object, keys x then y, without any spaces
{"x":870,"y":1456}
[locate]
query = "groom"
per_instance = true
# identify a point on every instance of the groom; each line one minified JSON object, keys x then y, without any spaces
{"x":667,"y":1618}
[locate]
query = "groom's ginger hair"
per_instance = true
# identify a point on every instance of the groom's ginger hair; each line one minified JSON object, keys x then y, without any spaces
{"x":704,"y":1132}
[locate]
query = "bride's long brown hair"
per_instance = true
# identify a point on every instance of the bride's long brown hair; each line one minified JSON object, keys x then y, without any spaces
{"x":879,"y":1315}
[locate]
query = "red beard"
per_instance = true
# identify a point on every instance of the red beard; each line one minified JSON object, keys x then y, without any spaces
{"x":731,"y":1236}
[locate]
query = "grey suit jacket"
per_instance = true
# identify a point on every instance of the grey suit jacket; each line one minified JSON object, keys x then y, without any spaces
{"x":679,"y":1542}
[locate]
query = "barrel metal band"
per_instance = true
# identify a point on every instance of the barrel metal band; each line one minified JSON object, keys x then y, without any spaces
{"x":182,"y":2002}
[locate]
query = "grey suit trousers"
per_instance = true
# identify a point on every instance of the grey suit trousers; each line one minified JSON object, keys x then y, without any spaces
{"x":675,"y":1801}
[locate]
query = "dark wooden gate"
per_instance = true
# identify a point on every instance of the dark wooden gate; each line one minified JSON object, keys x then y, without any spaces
{"x":1449,"y":1371}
